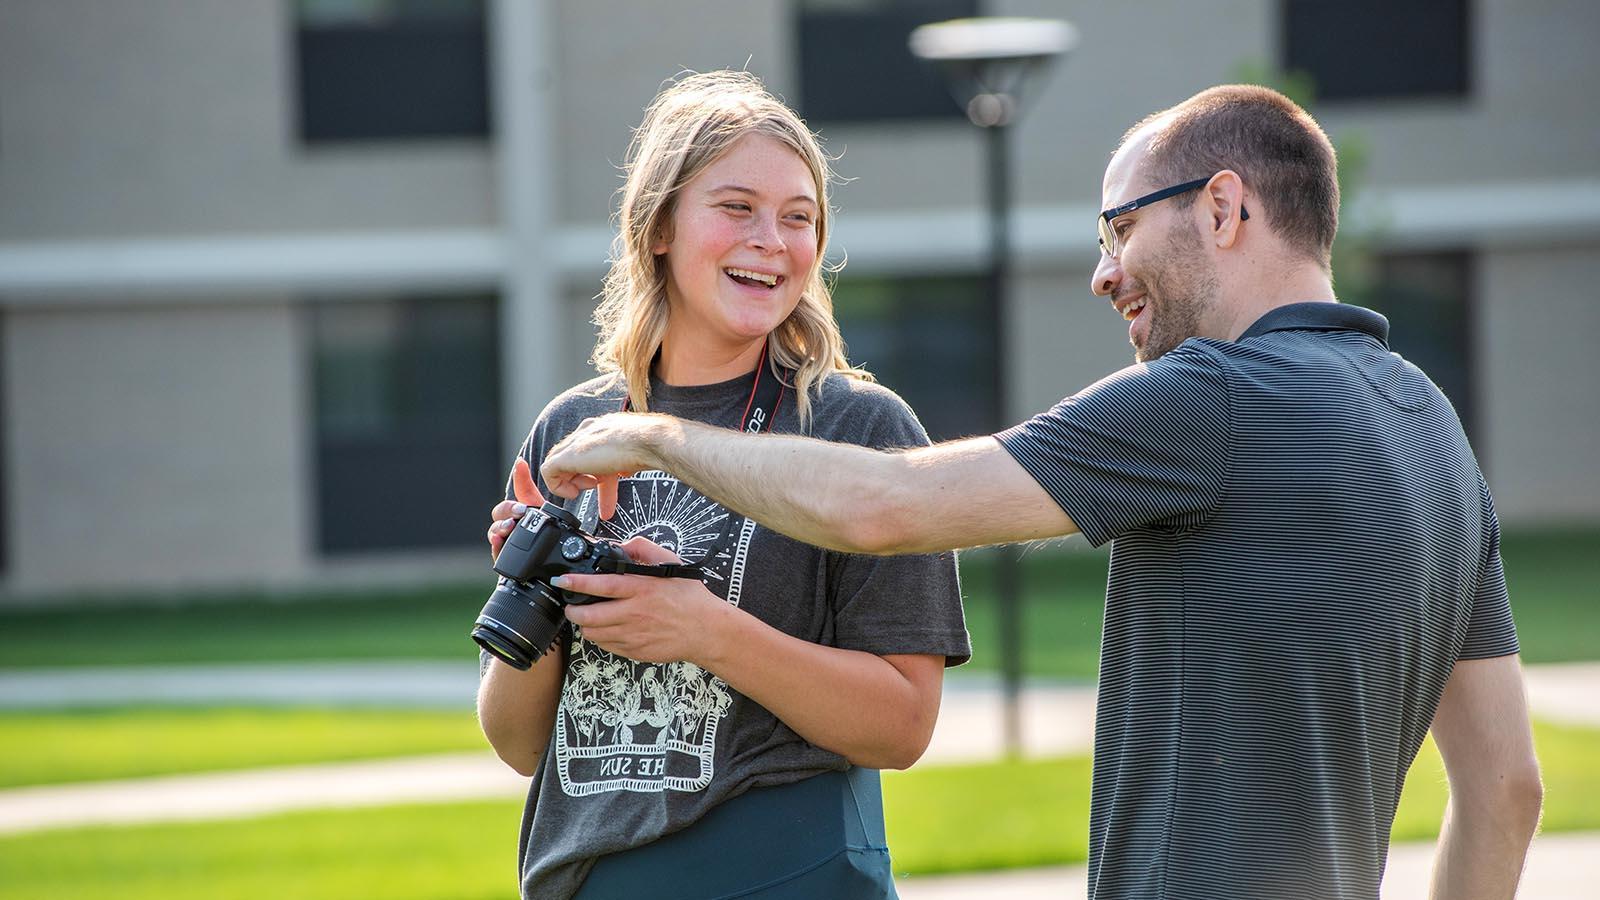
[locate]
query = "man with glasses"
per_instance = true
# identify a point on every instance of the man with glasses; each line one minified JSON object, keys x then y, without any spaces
{"x":1305,"y":573}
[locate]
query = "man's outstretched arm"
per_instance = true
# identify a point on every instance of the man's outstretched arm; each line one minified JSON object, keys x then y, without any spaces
{"x":958,"y":494}
{"x":1482,"y":731}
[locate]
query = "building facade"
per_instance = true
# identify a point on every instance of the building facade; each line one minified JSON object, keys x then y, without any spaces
{"x":282,"y":285}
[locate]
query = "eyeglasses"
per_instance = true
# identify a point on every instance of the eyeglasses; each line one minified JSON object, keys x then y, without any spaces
{"x":1108,"y":235}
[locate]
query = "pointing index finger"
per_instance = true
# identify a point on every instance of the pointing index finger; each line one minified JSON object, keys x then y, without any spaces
{"x":522,"y":483}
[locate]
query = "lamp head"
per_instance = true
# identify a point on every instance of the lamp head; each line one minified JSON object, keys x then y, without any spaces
{"x":985,"y":61}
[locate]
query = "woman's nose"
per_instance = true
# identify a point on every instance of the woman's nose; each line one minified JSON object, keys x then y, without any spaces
{"x":764,"y":234}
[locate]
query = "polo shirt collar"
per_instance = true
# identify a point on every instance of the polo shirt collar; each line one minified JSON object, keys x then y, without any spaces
{"x":1321,"y":316}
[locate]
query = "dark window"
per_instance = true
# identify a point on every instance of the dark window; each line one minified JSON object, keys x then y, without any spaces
{"x":1378,"y":49}
{"x":855,"y":63}
{"x":930,"y":340}
{"x":1427,"y":298}
{"x":407,"y":421}
{"x":373,"y":69}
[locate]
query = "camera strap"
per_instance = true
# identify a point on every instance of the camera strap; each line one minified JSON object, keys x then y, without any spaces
{"x":665,"y":570}
{"x":765,"y":395}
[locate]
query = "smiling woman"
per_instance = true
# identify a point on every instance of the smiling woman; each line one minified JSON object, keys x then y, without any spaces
{"x":742,"y":243}
{"x":680,"y":729}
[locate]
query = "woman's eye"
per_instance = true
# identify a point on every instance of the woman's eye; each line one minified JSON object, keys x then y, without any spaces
{"x":802,"y":218}
{"x":737,"y":207}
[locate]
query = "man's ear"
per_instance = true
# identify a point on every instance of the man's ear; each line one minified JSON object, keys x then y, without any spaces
{"x":1223,"y":197}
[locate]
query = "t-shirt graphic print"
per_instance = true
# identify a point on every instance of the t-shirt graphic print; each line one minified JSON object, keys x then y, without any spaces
{"x":651,"y":727}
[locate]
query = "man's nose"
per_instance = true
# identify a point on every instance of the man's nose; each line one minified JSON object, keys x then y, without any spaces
{"x":1107,"y":275}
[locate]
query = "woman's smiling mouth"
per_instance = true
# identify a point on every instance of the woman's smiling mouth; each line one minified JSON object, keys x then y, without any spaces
{"x":753,"y":279}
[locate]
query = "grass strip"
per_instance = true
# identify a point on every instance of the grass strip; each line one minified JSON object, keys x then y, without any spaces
{"x":454,"y":851}
{"x":421,"y":624}
{"x":941,"y":819}
{"x":89,"y":745}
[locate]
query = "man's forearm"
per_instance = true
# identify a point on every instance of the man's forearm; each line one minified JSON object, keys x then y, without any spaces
{"x":825,"y":494}
{"x":1481,"y":728}
{"x":1482,"y":848}
{"x":842,"y":496}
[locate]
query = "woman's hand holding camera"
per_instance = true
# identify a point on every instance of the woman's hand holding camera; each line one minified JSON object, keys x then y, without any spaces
{"x":652,"y":620}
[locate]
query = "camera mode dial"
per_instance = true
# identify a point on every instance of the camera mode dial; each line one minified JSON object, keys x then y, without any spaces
{"x":574,"y":548}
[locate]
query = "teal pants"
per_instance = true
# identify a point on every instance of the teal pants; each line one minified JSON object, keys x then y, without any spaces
{"x":817,"y":838}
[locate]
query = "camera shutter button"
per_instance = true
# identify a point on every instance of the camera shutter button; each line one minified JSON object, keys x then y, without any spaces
{"x":574,"y":548}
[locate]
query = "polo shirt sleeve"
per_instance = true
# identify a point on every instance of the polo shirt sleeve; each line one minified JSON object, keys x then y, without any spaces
{"x":1144,"y":447}
{"x":1490,"y":630}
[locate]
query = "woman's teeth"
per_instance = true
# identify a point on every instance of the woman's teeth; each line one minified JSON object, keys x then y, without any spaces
{"x":747,"y":275}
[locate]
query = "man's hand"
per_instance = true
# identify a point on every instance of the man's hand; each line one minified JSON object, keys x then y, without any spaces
{"x":648,"y":619}
{"x":507,"y":513}
{"x":600,"y":451}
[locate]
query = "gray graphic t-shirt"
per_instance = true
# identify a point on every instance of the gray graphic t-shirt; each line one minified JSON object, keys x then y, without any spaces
{"x":641,"y":750}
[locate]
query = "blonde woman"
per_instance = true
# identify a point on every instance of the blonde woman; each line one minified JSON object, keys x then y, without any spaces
{"x":721,"y":737}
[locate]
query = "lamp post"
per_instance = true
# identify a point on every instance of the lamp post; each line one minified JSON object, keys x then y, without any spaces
{"x":985,"y":63}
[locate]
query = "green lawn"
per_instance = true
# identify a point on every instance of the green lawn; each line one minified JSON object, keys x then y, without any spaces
{"x":1552,"y":578}
{"x":417,"y":624}
{"x":57,"y":747}
{"x":941,"y":819}
{"x":456,"y":851}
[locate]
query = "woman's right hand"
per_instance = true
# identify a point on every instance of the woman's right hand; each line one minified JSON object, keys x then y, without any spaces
{"x":507,"y":513}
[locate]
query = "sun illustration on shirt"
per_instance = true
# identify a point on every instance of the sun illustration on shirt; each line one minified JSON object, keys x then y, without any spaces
{"x":660,"y":509}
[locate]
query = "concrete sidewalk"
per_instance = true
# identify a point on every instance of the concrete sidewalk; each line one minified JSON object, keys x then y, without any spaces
{"x":1563,"y":692}
{"x":1056,"y":719}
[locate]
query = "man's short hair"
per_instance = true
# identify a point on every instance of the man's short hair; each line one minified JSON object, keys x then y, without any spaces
{"x":1277,"y":149}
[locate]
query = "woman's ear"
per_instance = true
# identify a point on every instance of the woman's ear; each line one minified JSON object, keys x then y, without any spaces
{"x":663,"y":236}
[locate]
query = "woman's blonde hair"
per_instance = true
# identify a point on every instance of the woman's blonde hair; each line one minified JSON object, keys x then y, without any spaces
{"x":689,"y":126}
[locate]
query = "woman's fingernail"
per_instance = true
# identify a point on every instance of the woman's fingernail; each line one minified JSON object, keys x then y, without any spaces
{"x":520,"y":509}
{"x":559,"y":581}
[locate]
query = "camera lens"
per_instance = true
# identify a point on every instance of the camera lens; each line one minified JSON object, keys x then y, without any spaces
{"x":519,"y":623}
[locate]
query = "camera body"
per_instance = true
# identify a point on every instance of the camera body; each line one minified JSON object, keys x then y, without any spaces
{"x":525,"y":613}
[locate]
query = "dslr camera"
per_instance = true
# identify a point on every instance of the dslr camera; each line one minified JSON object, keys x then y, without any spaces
{"x":525,"y":613}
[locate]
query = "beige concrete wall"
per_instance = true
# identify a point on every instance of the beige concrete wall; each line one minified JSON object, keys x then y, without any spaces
{"x":1539,"y":379}
{"x":612,"y":56}
{"x":176,"y":117}
{"x":154,"y":446}
{"x":1531,"y":112}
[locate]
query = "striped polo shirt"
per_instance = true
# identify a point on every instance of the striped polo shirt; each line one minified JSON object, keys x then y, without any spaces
{"x":1303,"y":547}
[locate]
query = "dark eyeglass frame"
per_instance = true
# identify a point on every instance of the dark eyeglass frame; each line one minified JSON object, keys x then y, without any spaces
{"x":1108,"y":235}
